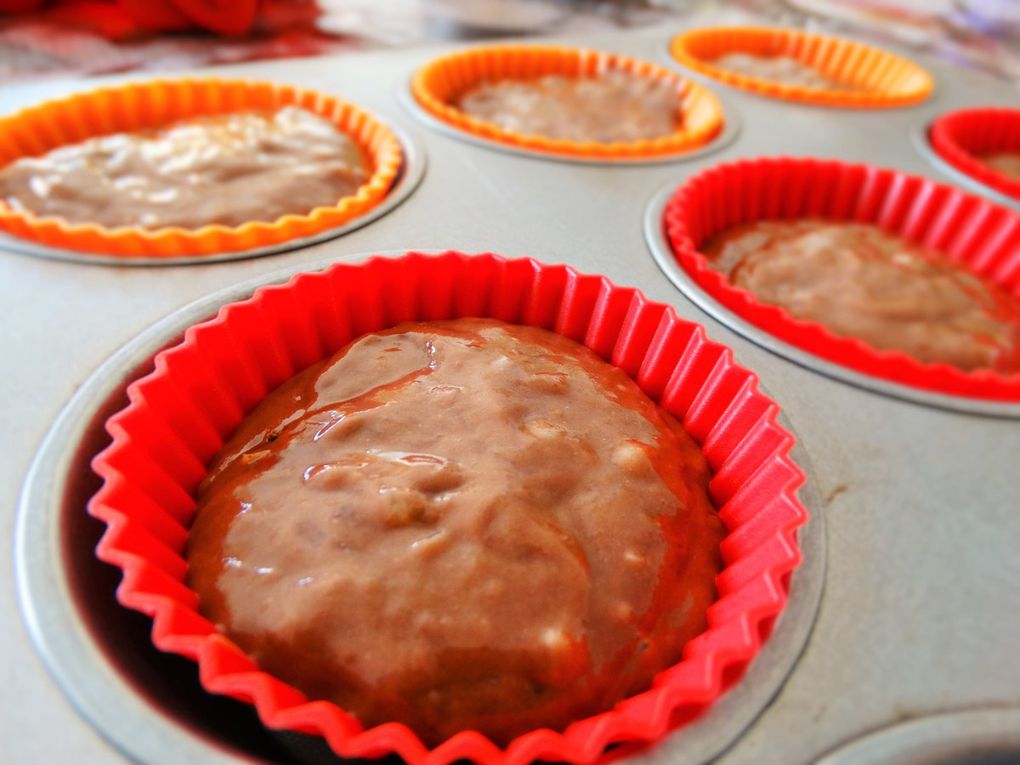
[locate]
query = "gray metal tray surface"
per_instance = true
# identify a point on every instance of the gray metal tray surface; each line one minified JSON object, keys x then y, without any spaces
{"x":920,"y":612}
{"x":971,"y":737}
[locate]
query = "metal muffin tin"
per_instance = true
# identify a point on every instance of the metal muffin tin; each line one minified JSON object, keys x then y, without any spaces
{"x":975,"y":737}
{"x":920,"y":612}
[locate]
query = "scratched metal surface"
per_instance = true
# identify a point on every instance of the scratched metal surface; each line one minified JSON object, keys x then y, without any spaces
{"x":920,"y":612}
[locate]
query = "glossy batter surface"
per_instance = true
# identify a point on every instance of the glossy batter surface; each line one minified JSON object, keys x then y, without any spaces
{"x":461,"y":525}
{"x":612,"y":107}
{"x":227,"y":169}
{"x":782,"y":69}
{"x":861,"y":281}
{"x":1007,"y":163}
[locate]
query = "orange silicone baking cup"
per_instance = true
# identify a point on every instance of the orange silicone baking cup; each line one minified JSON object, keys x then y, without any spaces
{"x":874,"y":77}
{"x":443,"y":79}
{"x":140,"y":106}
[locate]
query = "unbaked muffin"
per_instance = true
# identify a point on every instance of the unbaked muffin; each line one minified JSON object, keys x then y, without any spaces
{"x":862,"y":281}
{"x":611,"y":107}
{"x":222,"y":169}
{"x":459,"y":525}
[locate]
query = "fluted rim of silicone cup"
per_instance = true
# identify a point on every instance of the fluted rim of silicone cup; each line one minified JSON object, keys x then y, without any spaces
{"x":965,"y":227}
{"x":959,"y":136}
{"x":182,"y":412}
{"x":439,"y":81}
{"x":141,"y":105}
{"x":885,"y":79}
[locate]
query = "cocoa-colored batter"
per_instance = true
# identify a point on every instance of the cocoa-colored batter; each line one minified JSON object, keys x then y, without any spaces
{"x":227,"y":169}
{"x":1006,"y":162}
{"x":861,"y":281}
{"x":782,"y":69}
{"x":612,"y":107}
{"x":460,"y":525}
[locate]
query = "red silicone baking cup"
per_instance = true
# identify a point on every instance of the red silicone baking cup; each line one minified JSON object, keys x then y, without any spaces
{"x":181,"y":413}
{"x":973,"y":231}
{"x":960,"y":138}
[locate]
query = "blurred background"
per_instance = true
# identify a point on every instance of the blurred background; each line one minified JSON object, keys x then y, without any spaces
{"x":60,"y":38}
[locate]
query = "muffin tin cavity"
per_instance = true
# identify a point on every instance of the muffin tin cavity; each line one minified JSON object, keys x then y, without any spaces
{"x":704,"y":125}
{"x":106,"y":667}
{"x":966,"y":228}
{"x":396,"y":165}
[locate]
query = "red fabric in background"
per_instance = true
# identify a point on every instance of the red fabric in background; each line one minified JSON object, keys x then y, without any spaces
{"x":225,"y":17}
{"x":125,"y":19}
{"x":19,"y":6}
{"x":154,"y":15}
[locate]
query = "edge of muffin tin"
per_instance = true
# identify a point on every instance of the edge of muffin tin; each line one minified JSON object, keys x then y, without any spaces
{"x":90,"y":666}
{"x":920,"y":137}
{"x":412,"y":171}
{"x":662,"y":252}
{"x":731,"y":129}
{"x":989,"y":736}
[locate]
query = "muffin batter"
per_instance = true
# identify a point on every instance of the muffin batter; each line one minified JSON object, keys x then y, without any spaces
{"x":227,"y":169}
{"x":782,"y":69}
{"x":1007,"y":163}
{"x":459,"y":525}
{"x":861,"y":281}
{"x":612,"y":107}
